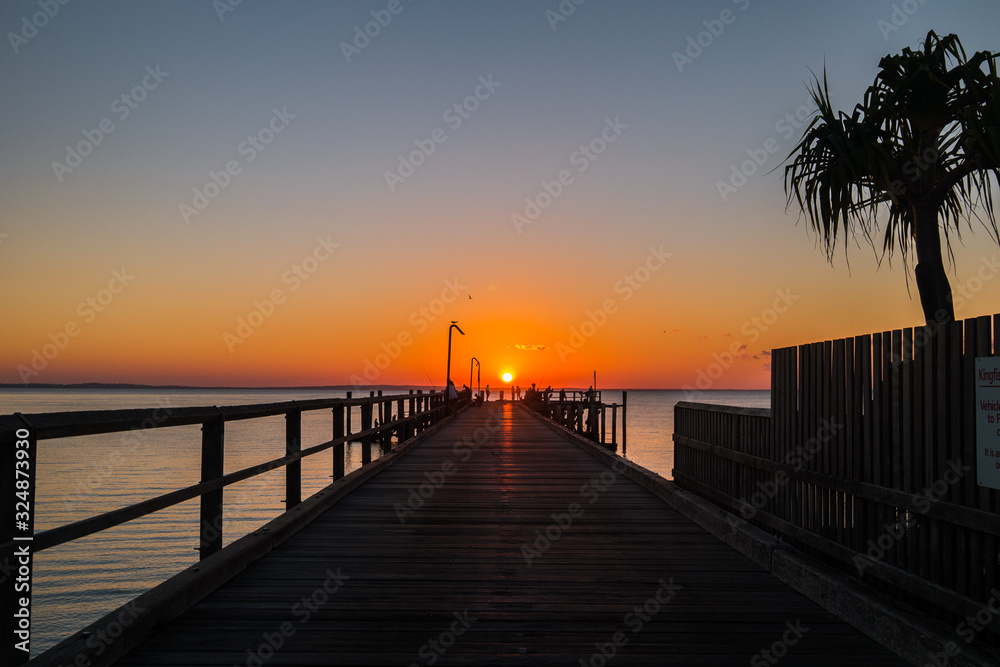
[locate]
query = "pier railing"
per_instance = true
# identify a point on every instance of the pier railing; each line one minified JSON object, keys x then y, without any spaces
{"x":867,"y":460}
{"x":382,"y":419}
{"x":585,"y":413}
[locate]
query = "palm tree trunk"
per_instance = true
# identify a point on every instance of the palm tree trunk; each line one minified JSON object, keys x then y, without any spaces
{"x":932,"y":280}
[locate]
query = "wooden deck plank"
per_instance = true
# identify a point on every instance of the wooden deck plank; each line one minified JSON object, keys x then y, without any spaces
{"x":405,"y":577}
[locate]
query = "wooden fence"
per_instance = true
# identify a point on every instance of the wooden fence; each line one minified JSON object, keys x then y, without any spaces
{"x":398,"y":417}
{"x":866,"y":460}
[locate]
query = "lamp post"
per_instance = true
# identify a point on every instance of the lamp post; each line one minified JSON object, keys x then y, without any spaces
{"x":454,"y":325}
{"x":479,"y":368}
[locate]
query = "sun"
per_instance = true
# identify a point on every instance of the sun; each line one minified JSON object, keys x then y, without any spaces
{"x":507,"y":377}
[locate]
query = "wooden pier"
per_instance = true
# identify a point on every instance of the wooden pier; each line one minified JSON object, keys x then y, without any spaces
{"x":500,"y":540}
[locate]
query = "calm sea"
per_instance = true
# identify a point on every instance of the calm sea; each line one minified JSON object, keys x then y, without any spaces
{"x":79,"y":582}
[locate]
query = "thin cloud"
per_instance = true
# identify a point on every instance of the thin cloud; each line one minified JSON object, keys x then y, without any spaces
{"x":532,"y":348}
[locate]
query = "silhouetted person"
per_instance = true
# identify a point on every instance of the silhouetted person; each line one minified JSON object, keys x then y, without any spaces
{"x":487,"y":392}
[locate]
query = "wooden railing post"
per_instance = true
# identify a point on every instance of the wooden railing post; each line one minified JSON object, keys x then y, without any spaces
{"x":212,"y":466}
{"x":624,"y":421}
{"x":350,"y":410}
{"x":602,"y":414}
{"x":338,"y":449}
{"x":401,"y":430}
{"x":366,"y":440}
{"x":385,"y":435}
{"x":293,"y":471}
{"x":419,"y":423}
{"x":19,"y":449}
{"x":614,"y":428}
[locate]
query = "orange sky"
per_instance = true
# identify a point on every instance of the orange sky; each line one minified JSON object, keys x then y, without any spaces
{"x":636,"y":266}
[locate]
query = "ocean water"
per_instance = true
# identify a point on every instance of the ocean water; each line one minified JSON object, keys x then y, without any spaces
{"x":77,"y":583}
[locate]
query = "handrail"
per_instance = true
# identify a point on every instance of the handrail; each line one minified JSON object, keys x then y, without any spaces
{"x":400,"y":415}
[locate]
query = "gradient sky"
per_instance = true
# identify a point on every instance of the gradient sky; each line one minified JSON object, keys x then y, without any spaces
{"x":363,"y":268}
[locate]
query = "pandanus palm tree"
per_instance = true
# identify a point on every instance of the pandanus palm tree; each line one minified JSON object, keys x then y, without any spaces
{"x":916,"y":156}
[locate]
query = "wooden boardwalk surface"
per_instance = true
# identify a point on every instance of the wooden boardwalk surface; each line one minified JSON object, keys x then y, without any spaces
{"x":451,"y":583}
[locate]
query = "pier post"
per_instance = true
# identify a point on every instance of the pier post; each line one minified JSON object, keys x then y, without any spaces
{"x":624,"y":422}
{"x":293,"y":471}
{"x":401,"y":409}
{"x":602,"y":414}
{"x":212,"y":465}
{"x":366,"y":440}
{"x":614,"y":428}
{"x":350,"y":409}
{"x":338,"y":449}
{"x":385,"y":435}
{"x":419,"y":423}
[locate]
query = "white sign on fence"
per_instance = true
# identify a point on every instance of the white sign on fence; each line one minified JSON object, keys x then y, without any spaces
{"x":988,"y":421}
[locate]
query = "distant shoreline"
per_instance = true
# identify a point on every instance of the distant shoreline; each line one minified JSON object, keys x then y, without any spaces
{"x":337,"y":387}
